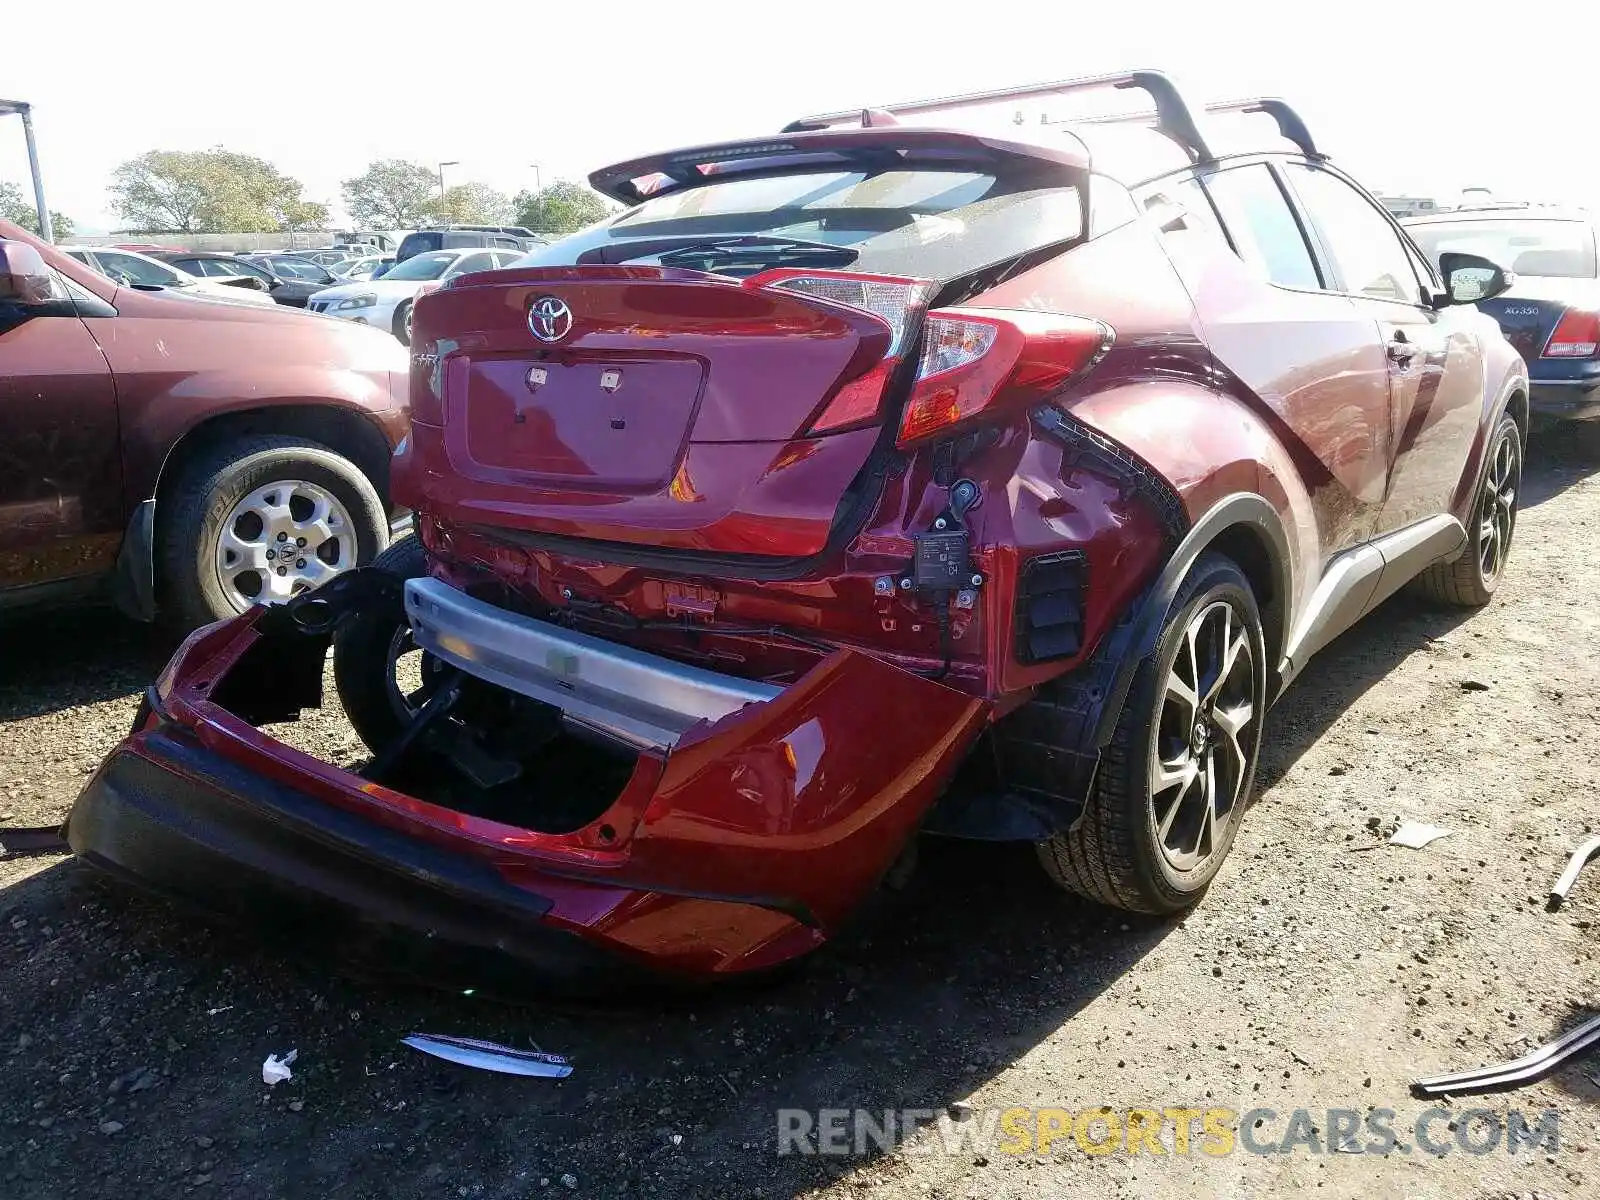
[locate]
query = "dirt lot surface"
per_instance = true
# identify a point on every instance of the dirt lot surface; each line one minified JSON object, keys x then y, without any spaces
{"x":1324,"y":970}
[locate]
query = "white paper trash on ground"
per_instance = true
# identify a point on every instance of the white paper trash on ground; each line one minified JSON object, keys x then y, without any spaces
{"x":1416,"y":835}
{"x":276,"y":1070}
{"x":490,"y":1056}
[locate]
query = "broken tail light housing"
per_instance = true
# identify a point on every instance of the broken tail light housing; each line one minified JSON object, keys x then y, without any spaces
{"x":1576,"y":336}
{"x":895,"y":300}
{"x":974,"y":361}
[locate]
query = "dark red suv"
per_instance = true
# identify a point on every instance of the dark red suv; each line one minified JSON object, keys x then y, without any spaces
{"x":857,"y":481}
{"x":186,"y":455}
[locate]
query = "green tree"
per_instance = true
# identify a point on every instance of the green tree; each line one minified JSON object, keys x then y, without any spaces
{"x":561,"y":208}
{"x":17,"y":207}
{"x":391,"y":194}
{"x":208,"y":191}
{"x":471,"y":204}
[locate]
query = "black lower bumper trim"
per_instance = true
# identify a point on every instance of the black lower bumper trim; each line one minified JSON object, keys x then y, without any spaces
{"x":186,"y":823}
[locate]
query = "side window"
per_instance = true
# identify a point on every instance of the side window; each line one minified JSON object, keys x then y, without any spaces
{"x":469,"y":263}
{"x":1110,"y":205}
{"x":1262,"y":225}
{"x":1183,"y":207}
{"x":1369,"y":257}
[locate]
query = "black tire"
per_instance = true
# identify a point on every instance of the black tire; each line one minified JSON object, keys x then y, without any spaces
{"x":400,"y":328}
{"x":1470,"y":581}
{"x":363,"y":646}
{"x":1114,"y":854}
{"x":190,"y":516}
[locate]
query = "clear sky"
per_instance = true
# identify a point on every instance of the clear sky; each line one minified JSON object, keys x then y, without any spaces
{"x":1410,"y":97}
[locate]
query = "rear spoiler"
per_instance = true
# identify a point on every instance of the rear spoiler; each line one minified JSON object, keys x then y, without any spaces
{"x":23,"y":110}
{"x":877,"y":146}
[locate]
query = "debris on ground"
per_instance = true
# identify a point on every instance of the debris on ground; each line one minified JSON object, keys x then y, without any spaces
{"x":1416,"y":835}
{"x":275,"y":1070}
{"x":1580,"y":857}
{"x":21,"y":843}
{"x":1533,"y":1066}
{"x":490,"y":1056}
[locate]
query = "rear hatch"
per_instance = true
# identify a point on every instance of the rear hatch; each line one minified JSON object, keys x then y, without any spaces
{"x":714,"y":370}
{"x":1530,"y":312}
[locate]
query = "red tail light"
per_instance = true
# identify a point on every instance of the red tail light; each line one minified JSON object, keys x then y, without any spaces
{"x":976,"y":360}
{"x":1577,"y":336}
{"x":895,"y":300}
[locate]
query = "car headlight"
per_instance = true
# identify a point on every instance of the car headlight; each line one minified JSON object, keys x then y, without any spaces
{"x":365,"y":300}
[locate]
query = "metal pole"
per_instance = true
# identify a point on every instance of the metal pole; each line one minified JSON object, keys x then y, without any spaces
{"x":537,"y":185}
{"x":45,"y":229}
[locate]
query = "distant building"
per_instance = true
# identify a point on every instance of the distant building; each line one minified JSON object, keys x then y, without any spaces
{"x":1409,"y":206}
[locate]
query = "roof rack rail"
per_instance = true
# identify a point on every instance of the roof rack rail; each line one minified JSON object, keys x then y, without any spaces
{"x":1289,"y":123}
{"x":1173,"y":116}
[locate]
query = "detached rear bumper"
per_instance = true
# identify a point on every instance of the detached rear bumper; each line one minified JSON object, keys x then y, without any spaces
{"x":166,"y":813}
{"x":742,"y":845}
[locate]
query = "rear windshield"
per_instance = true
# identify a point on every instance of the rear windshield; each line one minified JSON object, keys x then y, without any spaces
{"x":930,"y":223}
{"x":1555,"y":249}
{"x":418,"y":243}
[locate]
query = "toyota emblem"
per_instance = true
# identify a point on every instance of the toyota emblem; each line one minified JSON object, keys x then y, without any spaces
{"x":549,"y":319}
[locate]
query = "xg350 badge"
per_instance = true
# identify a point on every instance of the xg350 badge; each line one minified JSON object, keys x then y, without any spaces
{"x":549,"y":319}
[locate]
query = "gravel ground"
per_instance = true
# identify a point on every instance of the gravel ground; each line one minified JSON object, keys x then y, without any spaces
{"x":1324,"y":970}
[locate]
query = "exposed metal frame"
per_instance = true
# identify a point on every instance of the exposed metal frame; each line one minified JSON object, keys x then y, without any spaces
{"x":1173,"y":116}
{"x":22,"y":109}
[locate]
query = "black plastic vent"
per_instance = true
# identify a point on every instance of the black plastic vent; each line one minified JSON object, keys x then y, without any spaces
{"x":1050,"y":606}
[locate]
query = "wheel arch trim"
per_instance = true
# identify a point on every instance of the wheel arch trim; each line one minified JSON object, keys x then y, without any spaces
{"x":1243,"y":511}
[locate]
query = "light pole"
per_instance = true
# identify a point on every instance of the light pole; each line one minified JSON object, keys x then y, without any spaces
{"x":442,"y":166}
{"x":537,"y":186}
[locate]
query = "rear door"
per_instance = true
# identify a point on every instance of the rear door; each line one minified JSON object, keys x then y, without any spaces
{"x":1435,"y":361}
{"x":1313,"y":357}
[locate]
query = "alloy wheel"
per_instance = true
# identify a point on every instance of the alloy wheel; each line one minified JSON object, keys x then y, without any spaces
{"x":282,"y":539}
{"x":1201,"y":754}
{"x":1497,"y":508}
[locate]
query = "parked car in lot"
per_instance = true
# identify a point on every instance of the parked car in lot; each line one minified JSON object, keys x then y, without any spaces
{"x":300,"y":270}
{"x":857,"y":481}
{"x":188,"y":458}
{"x":1551,"y":314}
{"x":386,"y":302}
{"x":358,"y":269}
{"x":130,"y":269}
{"x":326,"y":257}
{"x":467,"y":237}
{"x":284,"y":290}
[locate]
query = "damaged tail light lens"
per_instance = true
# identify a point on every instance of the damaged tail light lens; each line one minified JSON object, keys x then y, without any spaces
{"x":974,"y":361}
{"x":1577,"y":336}
{"x":896,"y":301}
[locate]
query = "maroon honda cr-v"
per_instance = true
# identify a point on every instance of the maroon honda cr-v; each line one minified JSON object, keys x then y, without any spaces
{"x":190,"y":455}
{"x":857,"y":481}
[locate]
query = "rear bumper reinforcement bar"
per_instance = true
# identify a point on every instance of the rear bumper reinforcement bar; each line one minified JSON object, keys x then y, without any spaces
{"x":644,"y":699}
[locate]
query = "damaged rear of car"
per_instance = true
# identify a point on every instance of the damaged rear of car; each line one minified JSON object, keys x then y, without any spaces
{"x":692,"y":634}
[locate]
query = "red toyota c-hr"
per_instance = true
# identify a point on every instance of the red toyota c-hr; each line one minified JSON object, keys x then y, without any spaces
{"x":863,"y":480}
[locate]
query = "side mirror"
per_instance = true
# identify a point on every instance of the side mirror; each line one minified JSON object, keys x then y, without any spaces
{"x":24,"y":278}
{"x":1469,"y":278}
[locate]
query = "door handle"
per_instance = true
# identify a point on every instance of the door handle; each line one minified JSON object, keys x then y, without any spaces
{"x":1400,"y":350}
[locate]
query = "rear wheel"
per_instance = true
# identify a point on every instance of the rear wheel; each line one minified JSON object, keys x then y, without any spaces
{"x":1176,"y":776}
{"x":402,"y":323}
{"x":1470,"y":581}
